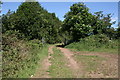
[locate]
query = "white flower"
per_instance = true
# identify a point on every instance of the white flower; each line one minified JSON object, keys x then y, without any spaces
{"x":31,"y":75}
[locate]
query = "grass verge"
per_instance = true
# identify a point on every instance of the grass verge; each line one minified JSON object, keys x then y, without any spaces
{"x":41,"y":53}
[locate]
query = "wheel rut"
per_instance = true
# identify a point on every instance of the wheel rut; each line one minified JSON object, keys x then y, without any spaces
{"x":75,"y":67}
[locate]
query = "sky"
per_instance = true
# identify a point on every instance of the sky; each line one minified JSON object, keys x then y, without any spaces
{"x":60,"y":8}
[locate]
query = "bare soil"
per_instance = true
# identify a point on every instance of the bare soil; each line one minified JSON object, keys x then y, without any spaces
{"x":108,"y":68}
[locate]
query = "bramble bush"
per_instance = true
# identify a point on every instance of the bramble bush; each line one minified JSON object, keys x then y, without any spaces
{"x":18,"y":55}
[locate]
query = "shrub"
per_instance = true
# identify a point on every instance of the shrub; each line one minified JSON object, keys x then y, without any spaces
{"x":94,"y":42}
{"x":18,"y":55}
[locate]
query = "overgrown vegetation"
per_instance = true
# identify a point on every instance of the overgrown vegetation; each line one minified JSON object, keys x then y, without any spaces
{"x":20,"y":57}
{"x":95,"y":43}
{"x":41,"y":53}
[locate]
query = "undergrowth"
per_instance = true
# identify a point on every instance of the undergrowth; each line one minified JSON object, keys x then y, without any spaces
{"x":95,"y":43}
{"x":20,"y":57}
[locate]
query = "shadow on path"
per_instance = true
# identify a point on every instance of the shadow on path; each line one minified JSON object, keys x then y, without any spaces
{"x":62,"y":46}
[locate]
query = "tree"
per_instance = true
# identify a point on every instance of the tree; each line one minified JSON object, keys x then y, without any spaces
{"x":6,"y":21}
{"x":101,"y":23}
{"x":34,"y":22}
{"x":28,"y":19}
{"x":0,"y":6}
{"x":30,"y":0}
{"x":118,"y":31}
{"x":78,"y":21}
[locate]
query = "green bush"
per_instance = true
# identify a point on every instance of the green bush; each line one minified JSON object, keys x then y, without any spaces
{"x":95,"y":43}
{"x":15,"y":34}
{"x":18,"y":55}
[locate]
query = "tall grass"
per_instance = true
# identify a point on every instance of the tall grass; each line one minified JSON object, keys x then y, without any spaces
{"x":38,"y":53}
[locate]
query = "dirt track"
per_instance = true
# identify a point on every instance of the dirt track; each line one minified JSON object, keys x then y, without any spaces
{"x":76,"y":68}
{"x":109,"y":65}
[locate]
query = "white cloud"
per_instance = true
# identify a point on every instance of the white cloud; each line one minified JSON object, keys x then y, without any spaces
{"x":114,"y":19}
